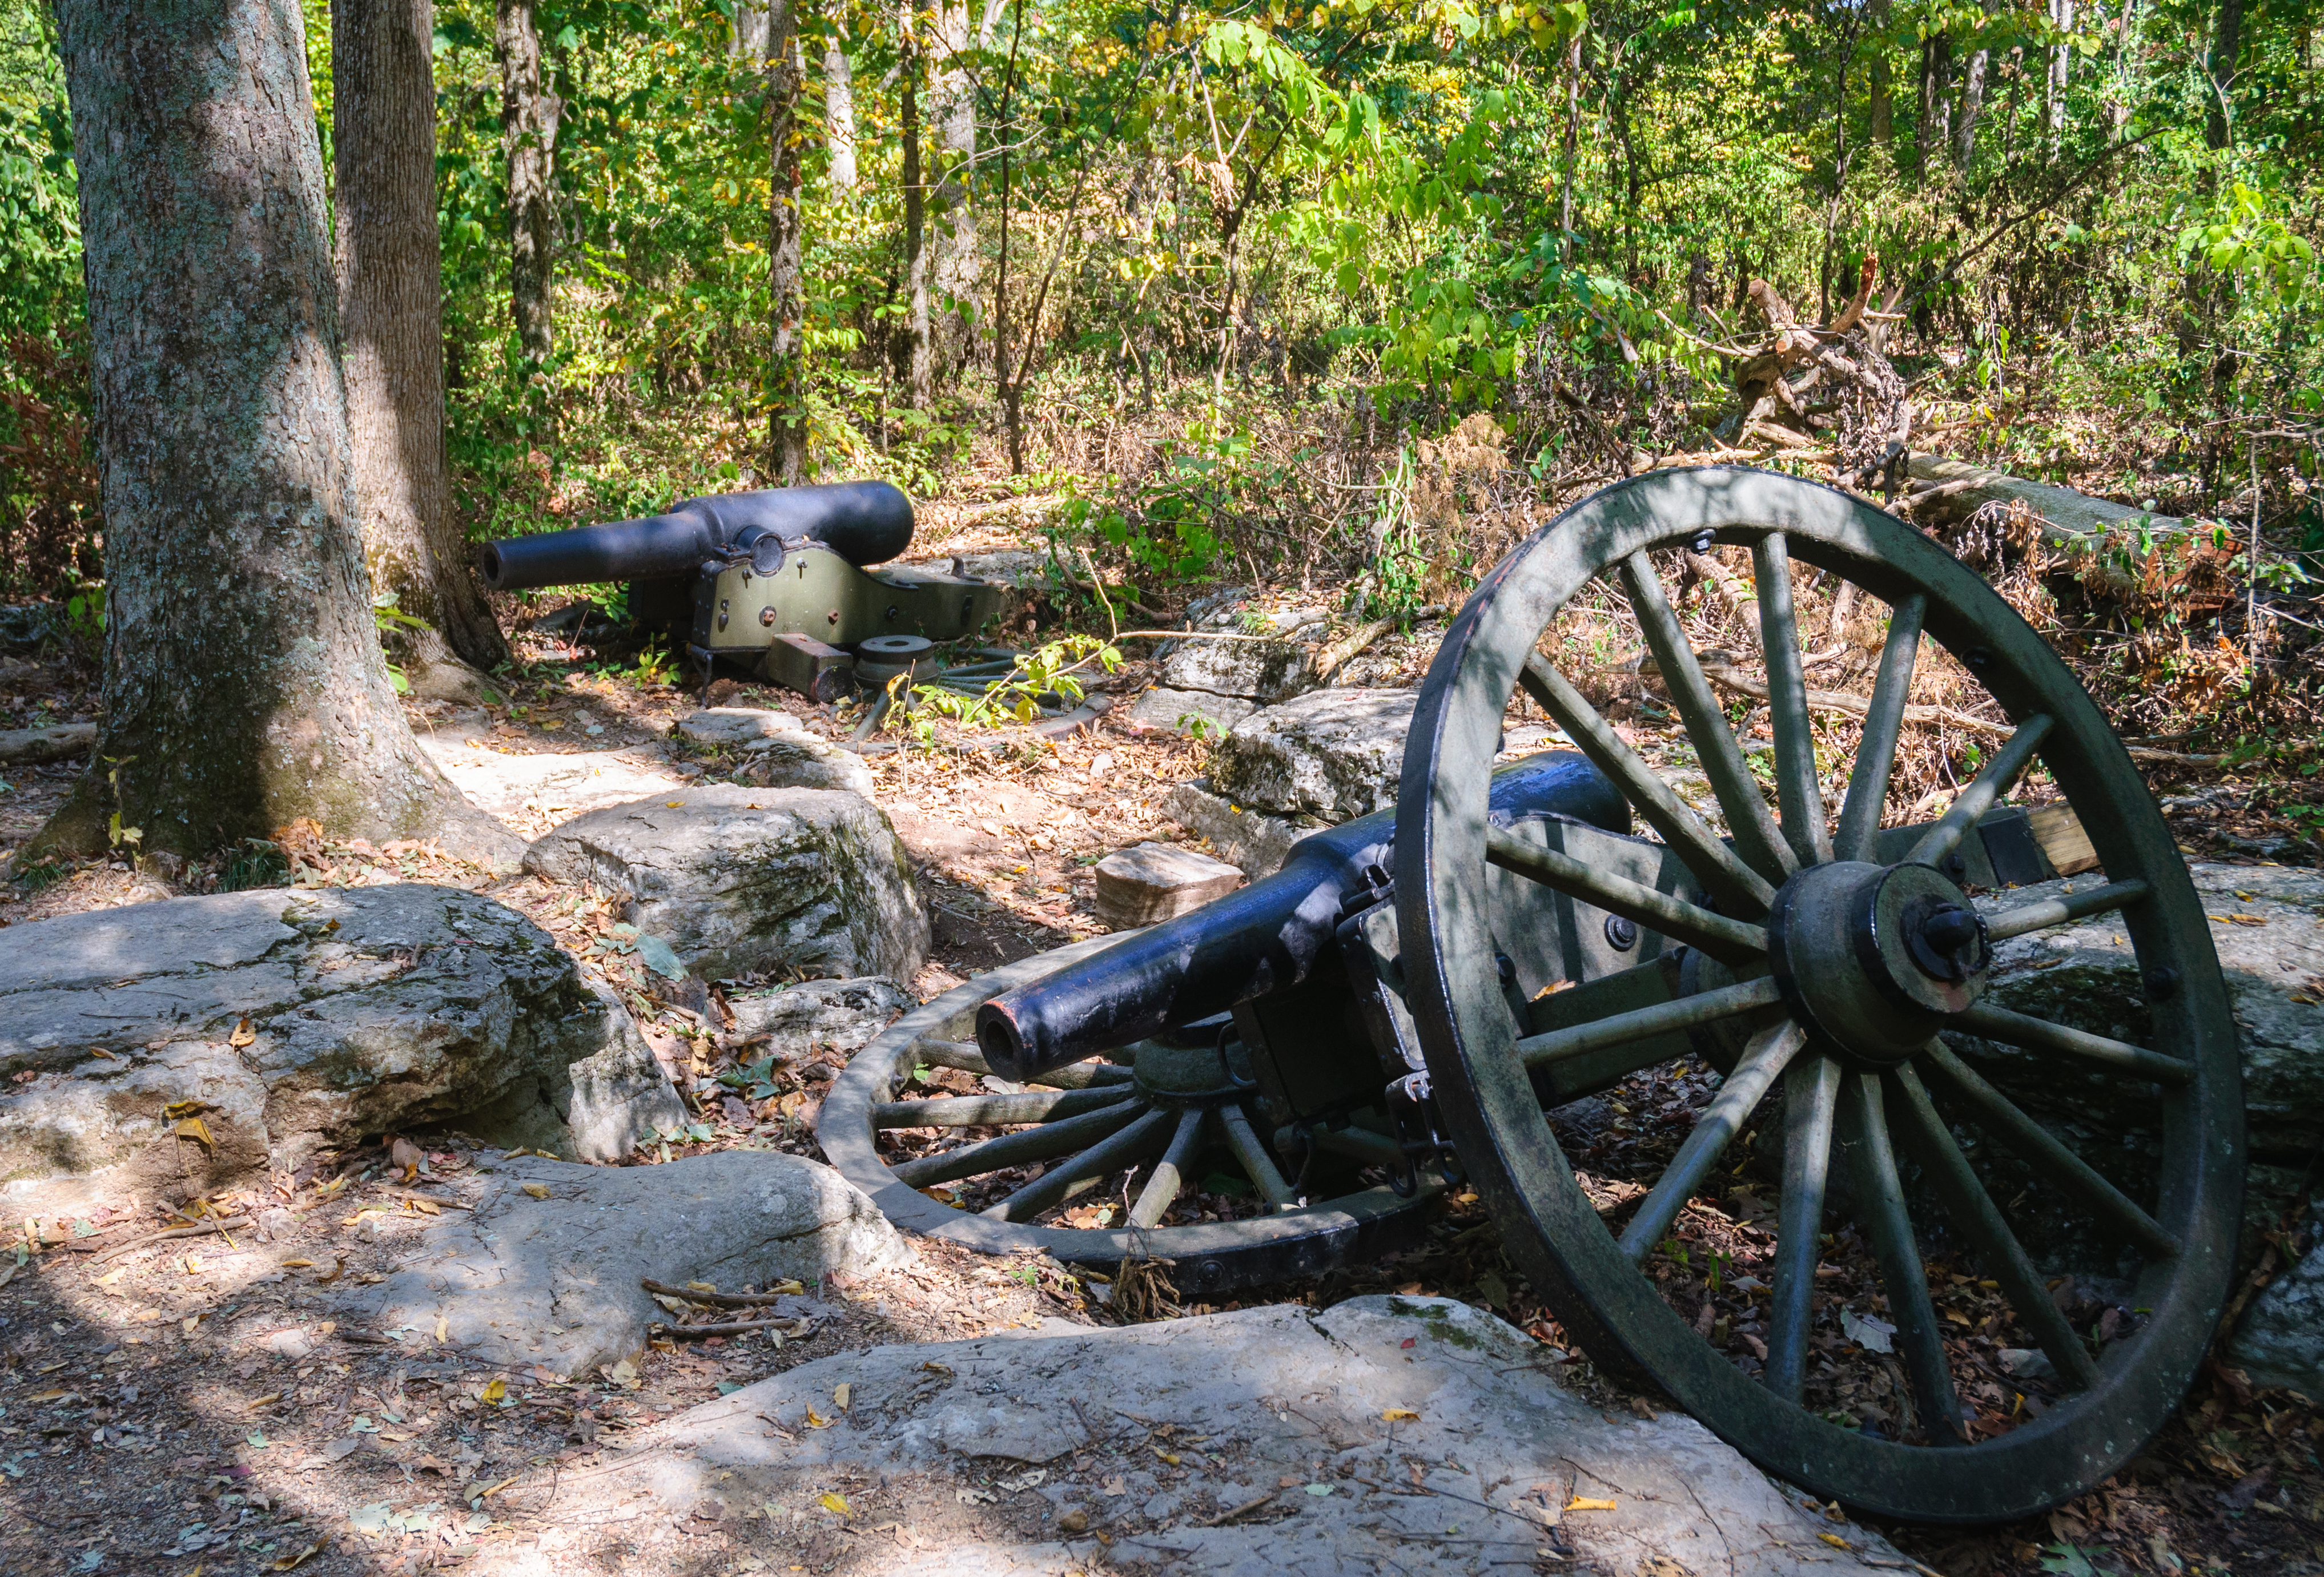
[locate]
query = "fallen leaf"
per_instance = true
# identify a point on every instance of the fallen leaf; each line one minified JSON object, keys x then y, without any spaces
{"x":108,"y":1279}
{"x":1165,"y":1455}
{"x":243,"y":1033}
{"x":195,"y":1128}
{"x":1118,"y":1485}
{"x":1401,"y":1415}
{"x":833,"y":1502}
{"x":538,"y":1190}
{"x":334,"y":1273}
{"x":296,"y":1264}
{"x":493,"y":1393}
{"x":1587,"y":1503}
{"x":1319,"y":1491}
{"x":815,"y":1420}
{"x":794,"y":1287}
{"x":1836,"y":1542}
{"x":443,"y":1326}
{"x":1073,"y":1521}
{"x":188,"y":1324}
{"x":935,"y":1367}
{"x":840,"y":1394}
{"x":290,"y":1562}
{"x":679,"y":805}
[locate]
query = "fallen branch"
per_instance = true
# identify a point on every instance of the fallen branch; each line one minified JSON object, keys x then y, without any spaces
{"x":731,"y":1328}
{"x":204,"y":1229}
{"x":717,"y":1300}
{"x":414,"y":1193}
{"x":1245,"y":1509}
{"x":32,"y":746}
{"x":1855,"y":706}
{"x":1331,"y":658}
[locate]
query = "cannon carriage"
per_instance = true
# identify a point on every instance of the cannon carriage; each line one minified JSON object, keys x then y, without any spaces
{"x":1416,"y":997}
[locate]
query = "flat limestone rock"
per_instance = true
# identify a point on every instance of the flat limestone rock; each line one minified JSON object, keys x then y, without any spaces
{"x":736,"y":726}
{"x":738,"y":880}
{"x":533,"y":793}
{"x":1164,"y":707}
{"x":1415,"y":1435}
{"x":841,"y":1015}
{"x":554,"y":1281}
{"x":294,"y":1019}
{"x":778,"y":750}
{"x":1147,"y":882}
{"x":2280,"y":1339}
{"x":1251,"y":839}
{"x":1335,"y":754}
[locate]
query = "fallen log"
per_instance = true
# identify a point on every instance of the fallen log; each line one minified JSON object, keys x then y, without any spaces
{"x":32,"y":746}
{"x":2073,"y":524}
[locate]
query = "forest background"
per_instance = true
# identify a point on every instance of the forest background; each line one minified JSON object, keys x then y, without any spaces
{"x":1213,"y":282}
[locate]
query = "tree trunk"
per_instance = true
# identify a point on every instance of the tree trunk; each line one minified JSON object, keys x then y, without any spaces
{"x":1573,"y":134}
{"x":920,"y":367}
{"x":245,"y":684}
{"x":839,"y":118}
{"x":528,"y":118}
{"x":1933,"y":130}
{"x":748,"y":42}
{"x":787,"y":299}
{"x":392,"y":317}
{"x":952,"y":108}
{"x":1880,"y":112}
{"x":2219,"y":66}
{"x":2062,"y":55}
{"x":1972,"y":106}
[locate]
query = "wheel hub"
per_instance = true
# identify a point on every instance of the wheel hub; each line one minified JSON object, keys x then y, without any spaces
{"x":1872,"y":959}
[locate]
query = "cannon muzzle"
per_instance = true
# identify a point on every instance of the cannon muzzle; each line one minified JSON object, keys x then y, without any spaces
{"x":864,"y":523}
{"x":1259,"y":939}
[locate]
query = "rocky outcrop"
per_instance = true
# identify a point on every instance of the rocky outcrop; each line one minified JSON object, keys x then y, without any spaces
{"x":1333,"y":754}
{"x":191,"y":1043}
{"x":777,"y":750}
{"x":1382,"y":1435}
{"x":1221,"y":682}
{"x":544,"y":1269}
{"x":836,"y":1015}
{"x":2280,"y":1340}
{"x":741,"y":881}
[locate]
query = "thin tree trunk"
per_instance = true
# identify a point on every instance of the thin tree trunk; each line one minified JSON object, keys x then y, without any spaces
{"x":1933,"y":129}
{"x":839,"y":118}
{"x":392,"y":315}
{"x":920,"y":367}
{"x":952,"y":107}
{"x":530,"y":114}
{"x":2219,"y":66}
{"x":2062,"y":55}
{"x":245,"y":684}
{"x":1972,"y":106}
{"x":1572,"y":136}
{"x":787,"y":299}
{"x":748,"y":43}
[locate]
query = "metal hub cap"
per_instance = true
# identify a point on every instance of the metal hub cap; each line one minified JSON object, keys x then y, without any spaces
{"x":1872,"y":959}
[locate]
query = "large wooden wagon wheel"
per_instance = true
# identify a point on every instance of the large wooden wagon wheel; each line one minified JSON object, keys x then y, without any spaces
{"x":1818,"y":967}
{"x":1164,"y":1115}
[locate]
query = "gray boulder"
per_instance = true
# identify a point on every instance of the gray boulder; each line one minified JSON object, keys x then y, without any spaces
{"x":1222,"y":682}
{"x":553,"y":1280}
{"x":195,"y":1041}
{"x":738,"y":880}
{"x":731,"y":726}
{"x":2085,"y":975}
{"x":777,"y":749}
{"x":1381,"y":1434}
{"x":842,"y":1015}
{"x":1334,"y":754}
{"x":2281,"y":1341}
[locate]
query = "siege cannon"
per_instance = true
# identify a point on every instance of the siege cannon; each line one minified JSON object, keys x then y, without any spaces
{"x":778,"y":582}
{"x":1420,"y":998}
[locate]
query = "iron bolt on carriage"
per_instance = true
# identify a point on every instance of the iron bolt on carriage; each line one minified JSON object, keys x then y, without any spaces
{"x":1415,"y":994}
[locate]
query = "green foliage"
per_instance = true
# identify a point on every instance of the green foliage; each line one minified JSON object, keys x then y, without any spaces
{"x":1047,"y":675}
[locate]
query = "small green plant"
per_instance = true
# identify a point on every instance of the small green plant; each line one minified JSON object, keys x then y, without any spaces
{"x":259,"y":863}
{"x":115,"y":833}
{"x":388,"y":619}
{"x":85,"y":612}
{"x":1051,"y":669}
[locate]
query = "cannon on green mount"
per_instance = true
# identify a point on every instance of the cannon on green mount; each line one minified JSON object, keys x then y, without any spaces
{"x":779,"y":583}
{"x":1779,"y":963}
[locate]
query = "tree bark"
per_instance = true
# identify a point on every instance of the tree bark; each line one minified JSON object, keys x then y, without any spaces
{"x":2061,"y":56}
{"x":787,"y":298}
{"x":749,"y":40}
{"x":958,"y":267}
{"x":1933,"y":129}
{"x":919,"y":371}
{"x":839,"y":118}
{"x":530,"y":114}
{"x":244,"y":683}
{"x":392,"y":318}
{"x":1573,"y":134}
{"x":2219,"y":66}
{"x":1972,"y":107}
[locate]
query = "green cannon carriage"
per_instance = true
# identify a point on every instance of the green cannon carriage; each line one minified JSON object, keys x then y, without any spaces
{"x":1418,"y":999}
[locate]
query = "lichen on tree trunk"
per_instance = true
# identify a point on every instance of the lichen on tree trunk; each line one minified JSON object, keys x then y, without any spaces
{"x":391,"y":315}
{"x":787,"y":302}
{"x":244,"y":683}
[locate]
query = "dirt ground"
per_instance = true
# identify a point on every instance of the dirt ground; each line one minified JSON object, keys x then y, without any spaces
{"x":154,"y":1416}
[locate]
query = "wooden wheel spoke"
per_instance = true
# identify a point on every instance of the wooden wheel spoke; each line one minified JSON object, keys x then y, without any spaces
{"x":2001,"y":1118}
{"x":1758,"y":839}
{"x":1643,"y":1023}
{"x":1980,"y":1220}
{"x":1161,"y":1189}
{"x":2031,"y":1034}
{"x":1108,"y":1155}
{"x":1875,"y":751}
{"x":992,"y":1110}
{"x":1014,"y":1149}
{"x":1797,"y":794}
{"x":1243,"y":1140}
{"x":1730,"y":941}
{"x":1988,"y":785}
{"x":2058,"y":911}
{"x":1919,"y":1342}
{"x":1811,"y":1097}
{"x":1763,"y":1059}
{"x":1705,"y":854}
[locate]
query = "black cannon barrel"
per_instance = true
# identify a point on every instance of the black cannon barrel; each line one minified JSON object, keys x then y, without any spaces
{"x":1257,"y":939}
{"x":864,"y":523}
